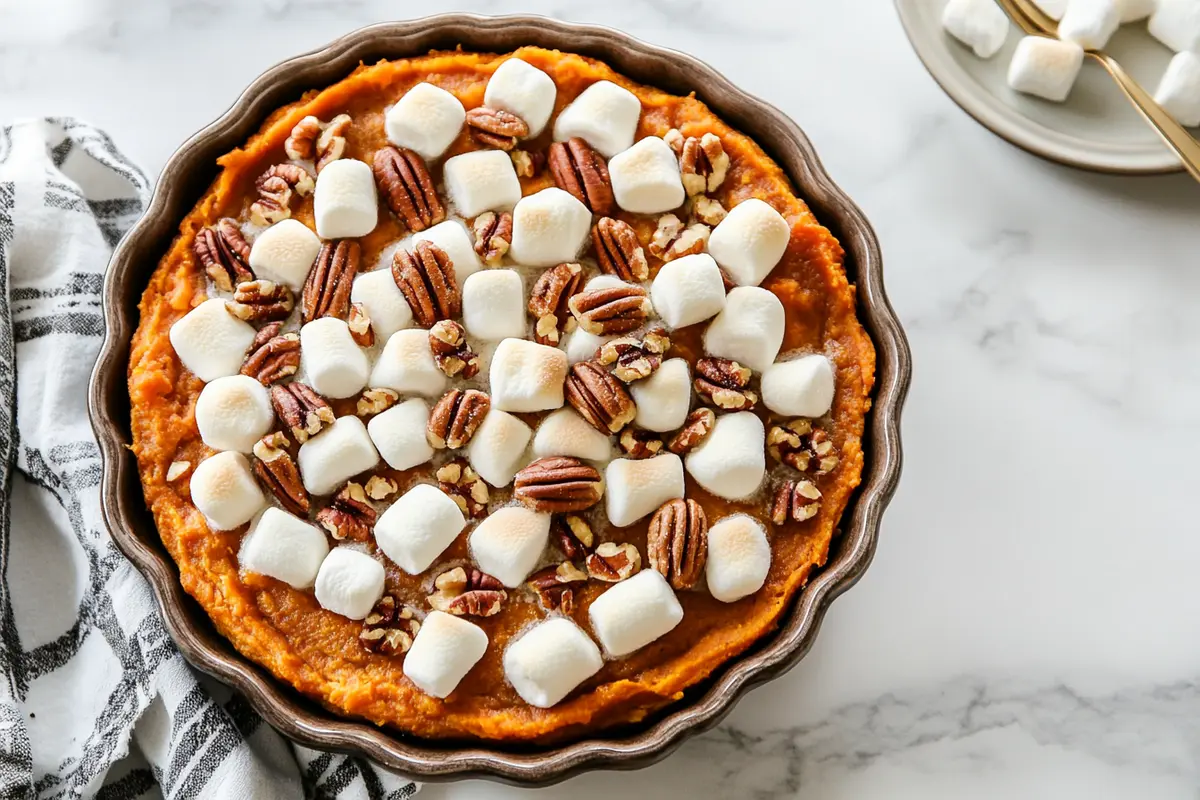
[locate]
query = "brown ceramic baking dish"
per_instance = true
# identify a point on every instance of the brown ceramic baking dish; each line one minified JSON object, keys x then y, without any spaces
{"x":192,"y":169}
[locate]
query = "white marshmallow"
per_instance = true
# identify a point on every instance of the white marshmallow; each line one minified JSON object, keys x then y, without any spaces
{"x":1090,"y":23}
{"x":481,"y":180}
{"x":426,"y":119}
{"x":344,"y":202}
{"x":418,"y":527}
{"x":335,"y":455}
{"x":1052,"y":8}
{"x":493,"y":303}
{"x":233,"y":413}
{"x":645,"y":178}
{"x":731,"y":462}
{"x":225,"y":492}
{"x":285,"y":252}
{"x":210,"y":341}
{"x":663,"y":399}
{"x":749,"y":242}
{"x":524,"y":90}
{"x":565,"y":433}
{"x":749,"y":329}
{"x":1176,"y":23}
{"x":549,"y":227}
{"x":527,"y":376}
{"x":635,"y":612}
{"x":1045,"y":68}
{"x":688,"y":290}
{"x":802,"y":387}
{"x":407,"y":366}
{"x":739,"y":557}
{"x":349,"y":582}
{"x":443,"y":652}
{"x":330,"y":359}
{"x":509,"y":543}
{"x":604,"y":115}
{"x":635,"y":488}
{"x":549,"y":660}
{"x":1134,"y":10}
{"x":455,"y":241}
{"x":497,"y":448}
{"x":399,"y":434}
{"x":384,"y":302}
{"x":1179,"y":90}
{"x":582,"y":346}
{"x":284,"y":547}
{"x":979,"y":24}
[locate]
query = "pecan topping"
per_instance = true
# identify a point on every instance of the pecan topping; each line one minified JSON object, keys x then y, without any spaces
{"x":380,"y":488}
{"x":599,"y":397}
{"x":703,"y":164}
{"x":359,"y":323}
{"x":677,"y":542}
{"x":376,"y":401}
{"x":795,"y":500}
{"x":327,"y":288}
{"x":177,"y":470}
{"x":349,"y":515}
{"x":426,"y":279}
{"x":260,"y":301}
{"x":390,"y":628}
{"x":722,"y":382}
{"x":458,"y":480}
{"x":527,"y":164}
{"x":456,"y":417}
{"x":275,"y":187}
{"x":695,"y":429}
{"x":634,"y":359}
{"x":558,"y":484}
{"x":224,"y":254}
{"x":478,"y":603}
{"x":580,"y":170}
{"x":555,"y":586}
{"x":708,"y":211}
{"x":405,"y":184}
{"x":304,"y":411}
{"x":496,"y":128}
{"x":618,"y":250}
{"x":453,"y":355}
{"x":548,"y":302}
{"x":802,"y":447}
{"x":278,"y":472}
{"x":573,"y":534}
{"x":605,"y":312}
{"x":321,"y":142}
{"x":273,"y":357}
{"x":639,"y":442}
{"x":671,"y":240}
{"x":461,"y":593}
{"x":493,"y":236}
{"x":613,"y":562}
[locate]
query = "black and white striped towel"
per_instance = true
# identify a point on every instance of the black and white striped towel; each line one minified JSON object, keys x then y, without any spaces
{"x":95,"y":701}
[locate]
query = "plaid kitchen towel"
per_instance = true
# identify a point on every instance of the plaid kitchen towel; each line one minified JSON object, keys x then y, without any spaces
{"x":95,"y":701}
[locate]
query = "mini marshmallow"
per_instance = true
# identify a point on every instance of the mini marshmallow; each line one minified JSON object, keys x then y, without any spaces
{"x":582,"y":346}
{"x":407,"y":366}
{"x":663,"y":399}
{"x":344,"y":202}
{"x":749,"y":242}
{"x":524,"y":90}
{"x":1179,"y":90}
{"x":481,"y":180}
{"x":688,"y":290}
{"x":1176,"y":23}
{"x":549,"y":660}
{"x":418,"y":527}
{"x":225,"y":492}
{"x":1090,"y":23}
{"x":604,"y":114}
{"x":455,"y":241}
{"x":426,"y":119}
{"x":385,"y":304}
{"x":731,"y":461}
{"x":399,"y":434}
{"x":233,"y":413}
{"x":527,"y":376}
{"x":739,"y":557}
{"x":645,"y":178}
{"x":285,"y":252}
{"x":565,"y":433}
{"x":335,"y":455}
{"x":635,"y":488}
{"x":493,"y":303}
{"x":1045,"y":68}
{"x":443,"y":652}
{"x":1134,"y":10}
{"x":1052,"y":8}
{"x":210,"y":341}
{"x":549,"y":227}
{"x":749,"y":329}
{"x":979,"y":24}
{"x":284,"y":547}
{"x":349,"y":582}
{"x":635,"y":612}
{"x":802,"y":387}
{"x":496,"y":449}
{"x":509,"y":543}
{"x":330,"y":359}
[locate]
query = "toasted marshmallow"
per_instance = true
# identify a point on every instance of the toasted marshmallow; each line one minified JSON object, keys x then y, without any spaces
{"x":527,"y":376}
{"x":979,"y":24}
{"x":349,"y":582}
{"x":284,"y":547}
{"x":802,"y":387}
{"x":749,"y":329}
{"x":582,"y":346}
{"x":663,"y":399}
{"x":385,"y":304}
{"x":225,"y":492}
{"x":335,"y":455}
{"x":549,"y":227}
{"x":443,"y":653}
{"x":1134,"y":10}
{"x":565,"y":433}
{"x":635,"y":612}
{"x":497,"y":448}
{"x":637,"y":487}
{"x":399,"y":434}
{"x":285,"y":252}
{"x":1046,"y":68}
{"x":233,"y":413}
{"x":1090,"y":23}
{"x":509,"y":543}
{"x":331,"y":360}
{"x":731,"y":461}
{"x":604,"y":114}
{"x":688,"y":290}
{"x":749,"y":242}
{"x":549,"y":660}
{"x":344,"y":202}
{"x":645,"y":178}
{"x":493,"y":303}
{"x":1176,"y":23}
{"x":210,"y":341}
{"x":739,"y":557}
{"x":406,"y":365}
{"x":524,"y":90}
{"x":418,"y":527}
{"x":482,"y":180}
{"x":1179,"y":90}
{"x":427,"y":119}
{"x":455,"y":241}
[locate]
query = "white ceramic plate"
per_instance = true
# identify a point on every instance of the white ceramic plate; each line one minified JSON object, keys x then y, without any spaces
{"x":1096,"y":129}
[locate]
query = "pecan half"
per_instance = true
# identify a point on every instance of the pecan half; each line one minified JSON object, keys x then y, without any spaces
{"x":802,"y":447}
{"x":580,"y":170}
{"x":425,"y":277}
{"x":708,"y":210}
{"x":456,"y":417}
{"x":376,"y":401}
{"x":527,"y":164}
{"x":611,"y":311}
{"x":696,"y":428}
{"x":224,"y":254}
{"x":633,"y":359}
{"x":261,"y":301}
{"x":795,"y":500}
{"x":549,"y":302}
{"x":494,"y":127}
{"x":327,"y":287}
{"x":278,"y":472}
{"x":677,"y":542}
{"x":558,"y":484}
{"x":389,"y":628}
{"x":304,"y":411}
{"x":618,"y":250}
{"x":703,"y":164}
{"x":380,"y":488}
{"x":407,"y":188}
{"x":613,"y":562}
{"x":573,"y":535}
{"x":671,"y":240}
{"x":458,"y":480}
{"x":319,"y":141}
{"x":359,"y":323}
{"x":275,"y":188}
{"x":639,"y":442}
{"x":599,"y":397}
{"x":493,"y":236}
{"x":555,"y":586}
{"x":349,"y":515}
{"x":273,"y":357}
{"x":301,"y":144}
{"x":465,"y":593}
{"x":448,"y":341}
{"x":723,"y":383}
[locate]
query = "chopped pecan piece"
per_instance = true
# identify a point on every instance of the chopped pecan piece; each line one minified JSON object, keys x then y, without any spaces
{"x":301,"y":144}
{"x":549,"y":299}
{"x":448,"y":341}
{"x":527,"y":164}
{"x":558,"y":484}
{"x":278,"y":472}
{"x":493,"y":236}
{"x":464,"y":593}
{"x":331,"y":144}
{"x":478,"y":603}
{"x":407,"y":188}
{"x":359,"y":323}
{"x":671,"y":240}
{"x":580,"y":170}
{"x":703,"y":164}
{"x":611,"y":311}
{"x":456,"y":417}
{"x":458,"y":480}
{"x":495,"y":127}
{"x":376,"y":401}
{"x":349,"y":515}
{"x":573,"y":535}
{"x":389,"y":628}
{"x":802,"y":447}
{"x":639,"y":442}
{"x":555,"y":586}
{"x":613,"y":562}
{"x":224,"y":254}
{"x":723,"y":383}
{"x":260,"y":301}
{"x":795,"y":500}
{"x":599,"y":397}
{"x":273,"y":357}
{"x":177,"y":470}
{"x":677,"y":542}
{"x":425,"y":277}
{"x":327,"y":288}
{"x":304,"y":411}
{"x":275,"y":188}
{"x":708,"y":211}
{"x":634,"y":359}
{"x":695,"y":429}
{"x":380,"y":488}
{"x":318,"y":141}
{"x":618,"y":250}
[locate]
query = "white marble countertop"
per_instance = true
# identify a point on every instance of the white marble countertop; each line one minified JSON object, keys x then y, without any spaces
{"x":1029,"y":626}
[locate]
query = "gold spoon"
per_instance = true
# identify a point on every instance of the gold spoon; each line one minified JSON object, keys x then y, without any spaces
{"x":1034,"y":21}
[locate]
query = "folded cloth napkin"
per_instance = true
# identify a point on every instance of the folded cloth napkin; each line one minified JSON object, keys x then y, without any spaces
{"x":95,"y":700}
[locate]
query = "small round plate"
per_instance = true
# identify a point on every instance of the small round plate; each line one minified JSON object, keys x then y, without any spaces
{"x":1096,"y":129}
